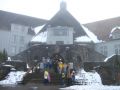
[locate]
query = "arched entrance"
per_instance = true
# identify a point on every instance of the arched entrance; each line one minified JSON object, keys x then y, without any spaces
{"x":57,"y":57}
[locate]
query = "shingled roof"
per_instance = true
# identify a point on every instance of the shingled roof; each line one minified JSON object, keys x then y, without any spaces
{"x":103,"y":28}
{"x":8,"y":17}
{"x":64,"y":18}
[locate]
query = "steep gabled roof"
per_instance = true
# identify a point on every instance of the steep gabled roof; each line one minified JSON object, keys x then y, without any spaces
{"x":103,"y":28}
{"x":64,"y":18}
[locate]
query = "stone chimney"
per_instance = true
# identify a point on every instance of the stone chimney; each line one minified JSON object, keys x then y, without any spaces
{"x":63,"y":5}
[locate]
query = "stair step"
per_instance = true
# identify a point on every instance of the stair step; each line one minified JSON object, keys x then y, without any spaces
{"x":38,"y":77}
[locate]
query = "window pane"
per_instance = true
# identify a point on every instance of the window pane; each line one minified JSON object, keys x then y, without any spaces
{"x":60,"y":32}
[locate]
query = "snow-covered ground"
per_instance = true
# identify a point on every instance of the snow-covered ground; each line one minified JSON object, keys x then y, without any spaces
{"x":89,"y":81}
{"x":88,"y":78}
{"x":13,"y":77}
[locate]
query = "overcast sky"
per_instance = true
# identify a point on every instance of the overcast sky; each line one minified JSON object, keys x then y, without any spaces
{"x":83,"y":10}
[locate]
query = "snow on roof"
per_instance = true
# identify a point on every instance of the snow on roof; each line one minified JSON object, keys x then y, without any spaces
{"x":41,"y":37}
{"x":83,"y":39}
{"x":108,"y":58}
{"x":92,"y":36}
{"x":8,"y":65}
{"x":15,"y":61}
{"x":88,"y":38}
{"x":117,"y":27}
{"x":37,"y":29}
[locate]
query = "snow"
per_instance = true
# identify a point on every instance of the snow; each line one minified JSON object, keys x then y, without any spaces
{"x":41,"y":37}
{"x":28,"y":66}
{"x":88,"y":78}
{"x":83,"y":39}
{"x":9,"y":59}
{"x":8,"y":65}
{"x":93,"y":82}
{"x":90,"y":37}
{"x":37,"y":29}
{"x":108,"y":58}
{"x":115,"y":28}
{"x":13,"y":77}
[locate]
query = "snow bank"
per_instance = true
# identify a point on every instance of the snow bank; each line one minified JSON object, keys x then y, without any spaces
{"x":88,"y":78}
{"x":93,"y":82}
{"x":13,"y":77}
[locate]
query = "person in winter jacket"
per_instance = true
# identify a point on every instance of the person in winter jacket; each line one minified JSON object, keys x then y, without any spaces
{"x":46,"y":75}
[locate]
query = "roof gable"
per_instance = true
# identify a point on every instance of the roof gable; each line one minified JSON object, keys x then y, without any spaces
{"x":103,"y":28}
{"x":64,"y":18}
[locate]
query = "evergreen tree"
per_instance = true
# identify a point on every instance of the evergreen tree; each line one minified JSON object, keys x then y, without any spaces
{"x":3,"y":56}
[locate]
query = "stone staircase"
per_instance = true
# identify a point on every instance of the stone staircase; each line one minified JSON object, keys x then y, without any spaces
{"x":38,"y":77}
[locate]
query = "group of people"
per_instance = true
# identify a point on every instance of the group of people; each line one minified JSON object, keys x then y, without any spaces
{"x":65,"y":71}
{"x":46,"y":63}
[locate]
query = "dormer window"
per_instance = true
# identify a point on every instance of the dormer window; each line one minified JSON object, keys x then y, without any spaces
{"x":115,"y":33}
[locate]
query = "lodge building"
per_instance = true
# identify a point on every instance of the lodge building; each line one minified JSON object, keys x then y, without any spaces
{"x":65,"y":37}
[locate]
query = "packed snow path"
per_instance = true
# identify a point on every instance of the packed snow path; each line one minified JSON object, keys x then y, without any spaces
{"x":13,"y":78}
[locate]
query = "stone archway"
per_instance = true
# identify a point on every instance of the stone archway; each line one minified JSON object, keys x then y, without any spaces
{"x":57,"y":56}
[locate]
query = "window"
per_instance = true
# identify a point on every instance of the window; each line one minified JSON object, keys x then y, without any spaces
{"x":60,"y":32}
{"x":103,"y":50}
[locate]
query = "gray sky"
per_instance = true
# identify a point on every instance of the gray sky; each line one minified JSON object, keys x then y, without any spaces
{"x":83,"y":10}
